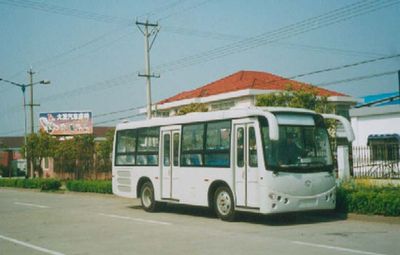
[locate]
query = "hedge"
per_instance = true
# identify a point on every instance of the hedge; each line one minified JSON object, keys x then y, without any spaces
{"x":90,"y":186}
{"x":42,"y":184}
{"x":368,"y":199}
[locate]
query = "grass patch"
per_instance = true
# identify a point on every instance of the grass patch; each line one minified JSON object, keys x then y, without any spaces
{"x":366,"y":198}
{"x":95,"y":186}
{"x":42,"y":184}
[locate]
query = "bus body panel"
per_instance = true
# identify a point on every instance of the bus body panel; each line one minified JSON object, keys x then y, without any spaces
{"x":254,"y":187}
{"x":287,"y":192}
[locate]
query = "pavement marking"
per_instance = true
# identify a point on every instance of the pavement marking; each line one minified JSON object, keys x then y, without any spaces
{"x":136,"y":219}
{"x":31,"y":205}
{"x":336,"y":248}
{"x":34,"y":247}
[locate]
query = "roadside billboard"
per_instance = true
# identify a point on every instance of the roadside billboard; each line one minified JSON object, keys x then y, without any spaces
{"x":66,"y":123}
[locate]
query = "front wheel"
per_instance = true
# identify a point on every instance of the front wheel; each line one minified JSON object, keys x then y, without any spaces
{"x":147,"y":197}
{"x":224,"y":204}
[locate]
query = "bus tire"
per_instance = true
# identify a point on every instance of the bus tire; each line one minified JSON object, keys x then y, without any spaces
{"x":224,"y":204}
{"x":147,"y":197}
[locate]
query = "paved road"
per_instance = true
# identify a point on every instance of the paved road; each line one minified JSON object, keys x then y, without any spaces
{"x":33,"y":222}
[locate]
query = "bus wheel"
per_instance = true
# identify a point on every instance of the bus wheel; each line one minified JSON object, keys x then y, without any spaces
{"x":224,"y":204}
{"x":147,"y":197}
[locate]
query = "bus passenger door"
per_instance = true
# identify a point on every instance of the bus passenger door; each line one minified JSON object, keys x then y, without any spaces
{"x":246,"y":166}
{"x":170,"y":161}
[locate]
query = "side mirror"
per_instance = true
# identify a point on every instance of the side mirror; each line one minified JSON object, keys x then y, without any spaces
{"x":273,"y":126}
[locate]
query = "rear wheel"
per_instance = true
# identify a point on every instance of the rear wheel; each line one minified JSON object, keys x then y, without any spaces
{"x":147,"y":197}
{"x":224,"y":204}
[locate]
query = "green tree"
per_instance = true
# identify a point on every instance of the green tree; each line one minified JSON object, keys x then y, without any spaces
{"x":195,"y":107}
{"x":65,"y":156}
{"x":103,"y":152}
{"x":38,"y":146}
{"x":84,"y":146}
{"x":307,"y":98}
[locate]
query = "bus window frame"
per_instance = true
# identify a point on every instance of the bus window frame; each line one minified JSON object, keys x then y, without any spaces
{"x":116,"y":154}
{"x":205,"y":151}
{"x":135,"y":154}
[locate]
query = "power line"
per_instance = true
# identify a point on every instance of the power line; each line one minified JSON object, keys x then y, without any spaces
{"x":94,"y":117}
{"x":80,"y":14}
{"x":332,"y":17}
{"x":325,"y":84}
{"x":121,"y":118}
{"x":354,"y":10}
{"x":359,"y":78}
{"x":345,"y":66}
{"x":162,"y":8}
{"x":96,"y":49}
{"x":51,"y":8}
{"x":186,"y":9}
{"x":119,"y":111}
{"x":223,"y":36}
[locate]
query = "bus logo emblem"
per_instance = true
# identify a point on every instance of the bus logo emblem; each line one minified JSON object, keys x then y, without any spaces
{"x":307,"y":183}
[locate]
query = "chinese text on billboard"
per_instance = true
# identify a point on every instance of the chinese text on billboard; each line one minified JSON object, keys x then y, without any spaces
{"x":66,"y":123}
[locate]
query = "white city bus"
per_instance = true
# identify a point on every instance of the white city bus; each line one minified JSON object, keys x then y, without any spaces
{"x":265,"y":160}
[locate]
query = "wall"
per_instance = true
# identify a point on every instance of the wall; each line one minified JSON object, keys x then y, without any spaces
{"x":384,"y":120}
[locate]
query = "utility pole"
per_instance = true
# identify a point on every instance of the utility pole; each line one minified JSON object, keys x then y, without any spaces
{"x":31,"y":105}
{"x":147,"y":47}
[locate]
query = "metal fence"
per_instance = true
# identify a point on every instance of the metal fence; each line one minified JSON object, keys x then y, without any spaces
{"x":380,"y":161}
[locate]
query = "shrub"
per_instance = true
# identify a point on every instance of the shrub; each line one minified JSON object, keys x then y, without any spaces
{"x":368,"y":199}
{"x":90,"y":186}
{"x":42,"y":184}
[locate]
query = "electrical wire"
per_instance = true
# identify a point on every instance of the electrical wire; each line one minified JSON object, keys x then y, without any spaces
{"x":359,"y":78}
{"x":329,"y":18}
{"x":335,"y":16}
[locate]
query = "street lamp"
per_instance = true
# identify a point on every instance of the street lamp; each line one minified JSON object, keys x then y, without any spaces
{"x":23,"y":88}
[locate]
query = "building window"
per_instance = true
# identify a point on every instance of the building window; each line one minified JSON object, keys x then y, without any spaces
{"x":384,"y":147}
{"x":222,"y":105}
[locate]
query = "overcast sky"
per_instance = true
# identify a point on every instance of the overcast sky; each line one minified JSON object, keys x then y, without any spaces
{"x":92,"y":51}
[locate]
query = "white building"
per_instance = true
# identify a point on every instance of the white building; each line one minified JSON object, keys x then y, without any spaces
{"x":374,"y":121}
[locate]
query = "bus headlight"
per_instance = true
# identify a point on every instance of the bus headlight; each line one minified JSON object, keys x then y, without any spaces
{"x":272,"y":196}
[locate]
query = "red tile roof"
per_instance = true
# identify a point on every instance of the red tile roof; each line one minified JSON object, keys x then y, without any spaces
{"x":247,"y":80}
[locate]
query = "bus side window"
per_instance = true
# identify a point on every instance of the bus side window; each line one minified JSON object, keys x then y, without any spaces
{"x":192,"y":144}
{"x":240,"y":147}
{"x":125,"y":148}
{"x":176,"y":148}
{"x":217,"y":150}
{"x":252,"y":148}
{"x":147,"y":146}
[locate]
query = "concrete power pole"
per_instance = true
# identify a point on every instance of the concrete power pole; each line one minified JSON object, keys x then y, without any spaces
{"x":31,"y":73}
{"x":147,"y":47}
{"x":31,"y":105}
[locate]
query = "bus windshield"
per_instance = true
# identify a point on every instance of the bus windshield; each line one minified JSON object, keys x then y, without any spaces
{"x":302,"y":147}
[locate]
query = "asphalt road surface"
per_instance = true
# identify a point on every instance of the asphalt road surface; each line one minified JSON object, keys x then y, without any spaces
{"x":33,"y":222}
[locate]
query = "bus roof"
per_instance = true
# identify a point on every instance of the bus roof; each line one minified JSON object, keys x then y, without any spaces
{"x":209,"y":116}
